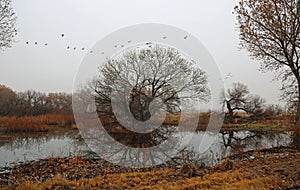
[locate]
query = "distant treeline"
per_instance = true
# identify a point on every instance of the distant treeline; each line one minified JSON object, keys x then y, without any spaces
{"x":31,"y":102}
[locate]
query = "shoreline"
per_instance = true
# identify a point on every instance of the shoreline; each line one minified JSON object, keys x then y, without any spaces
{"x":279,"y":164}
{"x":256,"y":169}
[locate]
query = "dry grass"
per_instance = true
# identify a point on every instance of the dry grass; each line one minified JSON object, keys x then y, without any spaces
{"x":41,"y":123}
{"x":47,"y":122}
{"x":284,"y":121}
{"x":162,"y":179}
{"x":267,"y":172}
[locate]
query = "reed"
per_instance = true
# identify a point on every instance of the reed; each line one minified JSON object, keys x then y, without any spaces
{"x":41,"y":123}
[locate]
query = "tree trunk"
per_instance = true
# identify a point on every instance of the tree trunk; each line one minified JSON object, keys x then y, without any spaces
{"x":298,"y":113}
{"x":297,"y":118}
{"x":296,"y":139}
{"x":230,"y":112}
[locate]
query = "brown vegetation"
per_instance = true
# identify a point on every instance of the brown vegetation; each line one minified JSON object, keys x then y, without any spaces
{"x":240,"y":120}
{"x":268,"y":120}
{"x":31,"y":102}
{"x":275,"y":122}
{"x":42,"y":123}
{"x":266,"y":171}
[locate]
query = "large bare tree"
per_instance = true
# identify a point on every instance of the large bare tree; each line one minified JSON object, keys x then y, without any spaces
{"x":144,"y":82}
{"x":8,"y":29}
{"x":142,"y":77}
{"x":270,"y":31}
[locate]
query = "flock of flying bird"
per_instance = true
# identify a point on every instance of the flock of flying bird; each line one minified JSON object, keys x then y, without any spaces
{"x":149,"y":44}
{"x":74,"y":48}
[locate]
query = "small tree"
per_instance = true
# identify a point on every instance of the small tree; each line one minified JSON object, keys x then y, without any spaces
{"x":270,"y":31}
{"x":8,"y":29}
{"x":235,"y":98}
{"x":239,"y":98}
{"x":272,"y":110}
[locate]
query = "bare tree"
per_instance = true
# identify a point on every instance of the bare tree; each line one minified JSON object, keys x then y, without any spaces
{"x":270,"y":31}
{"x":235,"y":98}
{"x":239,"y":98}
{"x":272,"y":111}
{"x":8,"y":29}
{"x":142,"y":83}
{"x":255,"y":105}
{"x":149,"y":75}
{"x":7,"y":100}
{"x":290,"y":95}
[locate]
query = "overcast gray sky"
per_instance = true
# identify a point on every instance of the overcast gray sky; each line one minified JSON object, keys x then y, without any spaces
{"x":52,"y":68}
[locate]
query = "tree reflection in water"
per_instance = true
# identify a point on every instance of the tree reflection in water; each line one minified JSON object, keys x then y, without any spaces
{"x":234,"y":143}
{"x":237,"y":142}
{"x":131,"y":94}
{"x":38,"y":146}
{"x":226,"y":144}
{"x":296,"y":139}
{"x":134,"y":149}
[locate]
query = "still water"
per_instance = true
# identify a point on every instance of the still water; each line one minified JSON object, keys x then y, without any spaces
{"x":16,"y":148}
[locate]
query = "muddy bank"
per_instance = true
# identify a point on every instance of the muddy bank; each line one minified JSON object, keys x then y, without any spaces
{"x":278,"y":168}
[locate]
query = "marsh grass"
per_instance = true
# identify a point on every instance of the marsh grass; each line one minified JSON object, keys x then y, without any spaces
{"x":282,"y":122}
{"x":162,"y":179}
{"x":42,"y":123}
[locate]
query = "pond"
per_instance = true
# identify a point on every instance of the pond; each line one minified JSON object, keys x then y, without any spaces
{"x":16,"y":149}
{"x":235,"y":142}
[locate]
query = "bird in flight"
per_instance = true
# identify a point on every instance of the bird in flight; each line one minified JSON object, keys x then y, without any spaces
{"x":228,"y":75}
{"x":68,"y":47}
{"x":35,"y":43}
{"x":116,"y":46}
{"x":165,"y":37}
{"x":122,"y":46}
{"x":129,"y":41}
{"x":185,"y":37}
{"x":46,"y":44}
{"x":82,"y":48}
{"x":74,"y":48}
{"x":91,"y":51}
{"x":62,"y":35}
{"x":27,"y":42}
